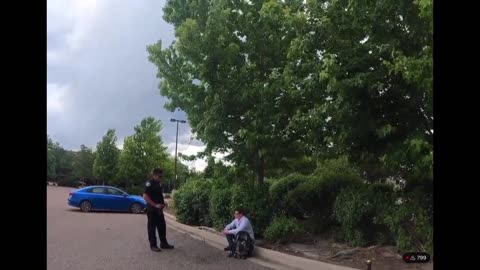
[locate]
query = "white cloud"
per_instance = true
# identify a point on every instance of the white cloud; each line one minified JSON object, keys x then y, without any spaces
{"x":198,"y":164}
{"x":98,"y":73}
{"x":84,"y":14}
{"x":72,"y":21}
{"x":220,"y":156}
{"x":188,"y":149}
{"x":56,"y":97}
{"x":56,"y":56}
{"x":120,"y":144}
{"x":58,"y":16}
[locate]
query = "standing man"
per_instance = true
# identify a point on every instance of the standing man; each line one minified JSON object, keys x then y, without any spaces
{"x":153,"y":195}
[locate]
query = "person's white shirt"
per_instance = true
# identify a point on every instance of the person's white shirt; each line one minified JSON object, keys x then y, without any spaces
{"x":241,"y":224}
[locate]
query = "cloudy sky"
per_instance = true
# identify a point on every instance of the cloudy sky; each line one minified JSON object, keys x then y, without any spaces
{"x":99,"y":76}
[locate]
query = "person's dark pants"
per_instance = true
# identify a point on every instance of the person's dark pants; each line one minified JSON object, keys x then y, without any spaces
{"x":156,"y":221}
{"x":231,"y":241}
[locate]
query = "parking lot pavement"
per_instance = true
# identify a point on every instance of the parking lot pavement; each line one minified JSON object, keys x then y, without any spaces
{"x":118,"y":241}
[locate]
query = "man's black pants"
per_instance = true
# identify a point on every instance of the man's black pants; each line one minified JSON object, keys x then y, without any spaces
{"x":156,"y":221}
{"x":232,"y":242}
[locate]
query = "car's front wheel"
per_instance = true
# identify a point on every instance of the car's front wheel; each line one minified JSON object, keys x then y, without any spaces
{"x":136,"y":208}
{"x":86,"y":206}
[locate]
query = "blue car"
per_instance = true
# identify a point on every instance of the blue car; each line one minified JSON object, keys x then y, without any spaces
{"x":105,"y":198}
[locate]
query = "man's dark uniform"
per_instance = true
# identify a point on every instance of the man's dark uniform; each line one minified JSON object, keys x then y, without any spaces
{"x":156,"y":219}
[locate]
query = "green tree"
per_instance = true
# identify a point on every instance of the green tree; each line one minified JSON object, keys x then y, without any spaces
{"x":59,"y":161}
{"x":364,"y":70}
{"x":183,"y":173}
{"x":83,"y":163}
{"x":224,"y":70}
{"x":209,"y":171}
{"x":273,"y":81}
{"x":51,"y":159}
{"x":63,"y":162}
{"x":142,"y":152}
{"x":168,"y":166}
{"x":105,"y":164}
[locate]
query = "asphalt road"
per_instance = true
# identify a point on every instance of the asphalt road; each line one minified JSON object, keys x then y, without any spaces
{"x":117,"y":241}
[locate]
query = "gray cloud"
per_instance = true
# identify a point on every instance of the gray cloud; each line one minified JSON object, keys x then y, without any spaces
{"x":98,"y":73}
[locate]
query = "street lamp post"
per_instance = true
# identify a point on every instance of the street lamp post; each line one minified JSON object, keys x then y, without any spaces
{"x":176,"y":143}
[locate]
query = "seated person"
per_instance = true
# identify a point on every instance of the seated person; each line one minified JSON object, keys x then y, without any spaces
{"x":240,"y":224}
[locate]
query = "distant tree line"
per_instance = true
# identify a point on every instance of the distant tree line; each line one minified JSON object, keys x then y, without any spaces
{"x":127,"y":168}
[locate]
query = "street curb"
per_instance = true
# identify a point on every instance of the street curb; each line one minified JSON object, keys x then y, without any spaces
{"x":263,"y":256}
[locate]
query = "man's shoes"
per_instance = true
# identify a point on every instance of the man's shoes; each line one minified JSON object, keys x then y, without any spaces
{"x":230,"y":254}
{"x":228,"y":249}
{"x":167,"y":246}
{"x":155,"y":249}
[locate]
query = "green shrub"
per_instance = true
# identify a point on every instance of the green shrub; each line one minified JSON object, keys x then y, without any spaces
{"x":191,"y":203}
{"x":375,"y":214}
{"x":135,"y":190}
{"x":68,"y":182}
{"x":278,"y":194}
{"x":283,"y":230}
{"x":255,"y":201}
{"x":220,"y":209}
{"x":317,"y":225}
{"x":337,"y":166}
{"x":360,"y":210}
{"x":225,"y":197}
{"x":315,"y":198}
{"x":350,"y":210}
{"x":310,"y":197}
{"x":411,"y":222}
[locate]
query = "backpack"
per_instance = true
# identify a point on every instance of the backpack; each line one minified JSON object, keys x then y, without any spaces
{"x":243,"y":245}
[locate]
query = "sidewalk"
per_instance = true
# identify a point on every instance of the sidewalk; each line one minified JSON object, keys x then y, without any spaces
{"x":262,"y":256}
